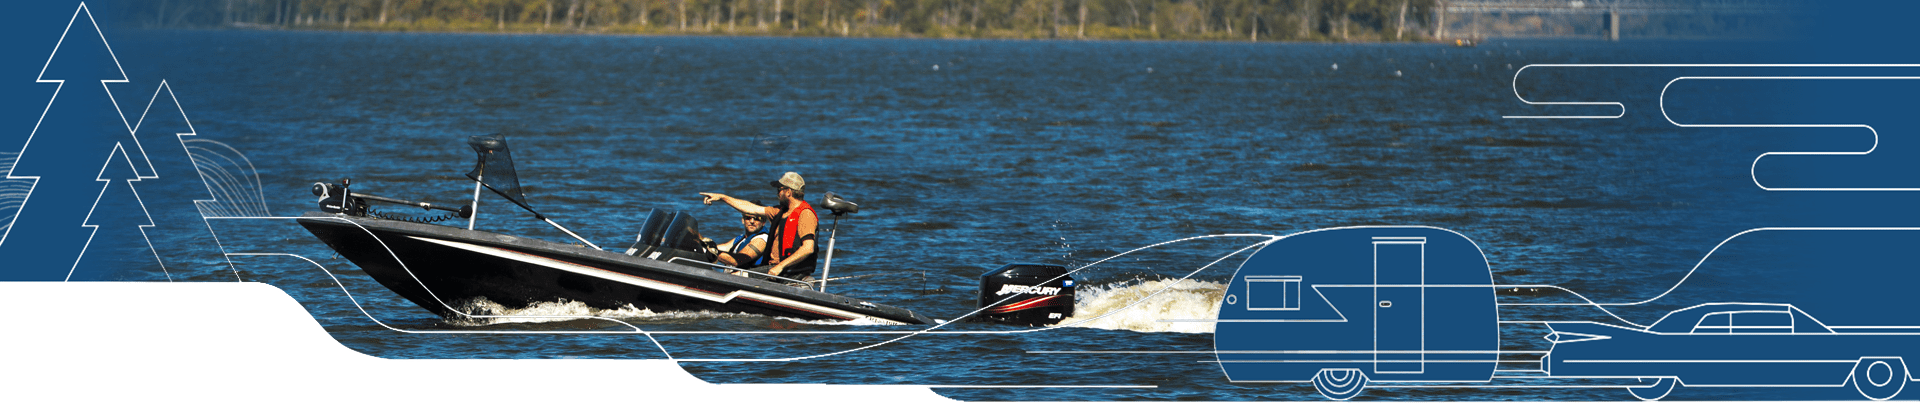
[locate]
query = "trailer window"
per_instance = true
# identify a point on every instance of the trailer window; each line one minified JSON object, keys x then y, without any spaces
{"x":1273,"y":292}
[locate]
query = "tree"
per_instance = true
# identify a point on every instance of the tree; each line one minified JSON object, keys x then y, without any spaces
{"x":1285,"y":19}
{"x":173,"y":190}
{"x":46,"y":239}
{"x":117,"y":246}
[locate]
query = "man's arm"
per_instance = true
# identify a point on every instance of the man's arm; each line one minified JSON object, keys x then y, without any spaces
{"x":753,"y":248}
{"x":738,"y":204}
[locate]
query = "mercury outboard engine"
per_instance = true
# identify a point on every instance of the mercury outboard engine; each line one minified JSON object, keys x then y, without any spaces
{"x":1026,"y":294}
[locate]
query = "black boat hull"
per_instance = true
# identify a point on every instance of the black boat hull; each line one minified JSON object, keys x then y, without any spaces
{"x":438,"y":267}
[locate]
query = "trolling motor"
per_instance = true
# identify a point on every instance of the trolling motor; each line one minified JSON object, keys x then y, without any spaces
{"x":337,"y":198}
{"x":334,"y":198}
{"x":838,"y":206}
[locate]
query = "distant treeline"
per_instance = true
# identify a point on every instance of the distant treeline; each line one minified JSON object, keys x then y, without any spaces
{"x":1337,"y":20}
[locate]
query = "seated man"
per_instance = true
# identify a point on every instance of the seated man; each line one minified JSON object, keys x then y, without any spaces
{"x":791,"y":238}
{"x":749,"y":248}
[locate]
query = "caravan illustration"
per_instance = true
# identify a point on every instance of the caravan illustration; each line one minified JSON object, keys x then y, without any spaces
{"x":1414,"y":307}
{"x":1342,"y":308}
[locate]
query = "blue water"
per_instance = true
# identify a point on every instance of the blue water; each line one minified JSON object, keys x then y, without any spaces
{"x":966,"y":155}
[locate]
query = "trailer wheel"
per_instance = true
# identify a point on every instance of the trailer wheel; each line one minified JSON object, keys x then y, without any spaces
{"x":1339,"y":384}
{"x":1879,"y":379}
{"x":1660,"y":388}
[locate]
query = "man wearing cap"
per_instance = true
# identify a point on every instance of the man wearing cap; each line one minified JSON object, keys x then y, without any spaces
{"x":793,"y":224}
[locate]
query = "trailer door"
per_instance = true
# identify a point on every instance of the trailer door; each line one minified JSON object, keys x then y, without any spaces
{"x":1399,"y":310}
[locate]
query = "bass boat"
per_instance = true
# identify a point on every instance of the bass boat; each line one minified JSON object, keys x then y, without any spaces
{"x":440,"y":267}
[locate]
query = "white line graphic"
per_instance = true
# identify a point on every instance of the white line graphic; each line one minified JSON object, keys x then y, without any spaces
{"x":122,"y":155}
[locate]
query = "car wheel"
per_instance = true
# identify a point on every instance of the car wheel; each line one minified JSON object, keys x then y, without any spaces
{"x":1879,"y":378}
{"x":1339,"y":384}
{"x":1659,"y":389}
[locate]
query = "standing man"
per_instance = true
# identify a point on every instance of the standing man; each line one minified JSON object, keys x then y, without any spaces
{"x":793,"y":226}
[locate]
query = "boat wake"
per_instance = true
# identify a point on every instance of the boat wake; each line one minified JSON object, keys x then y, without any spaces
{"x":1107,"y":306}
{"x":487,"y":312}
{"x":857,"y":321}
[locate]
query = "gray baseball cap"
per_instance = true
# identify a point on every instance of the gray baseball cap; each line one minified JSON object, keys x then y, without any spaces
{"x":790,"y":180}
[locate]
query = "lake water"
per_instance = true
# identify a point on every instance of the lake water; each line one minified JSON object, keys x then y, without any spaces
{"x":964,"y":155}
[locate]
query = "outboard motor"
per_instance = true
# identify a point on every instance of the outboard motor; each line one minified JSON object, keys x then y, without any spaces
{"x":1026,"y":294}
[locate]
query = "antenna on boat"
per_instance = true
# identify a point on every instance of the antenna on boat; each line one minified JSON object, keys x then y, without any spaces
{"x":839,"y":206}
{"x":492,"y":150}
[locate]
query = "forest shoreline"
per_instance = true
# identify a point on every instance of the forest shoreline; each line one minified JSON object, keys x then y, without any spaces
{"x":1092,"y":33}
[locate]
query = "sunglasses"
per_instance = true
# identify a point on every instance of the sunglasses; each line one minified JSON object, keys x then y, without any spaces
{"x":753,"y":218}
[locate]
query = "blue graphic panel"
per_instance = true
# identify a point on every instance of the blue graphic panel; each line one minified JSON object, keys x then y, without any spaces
{"x":50,"y":232}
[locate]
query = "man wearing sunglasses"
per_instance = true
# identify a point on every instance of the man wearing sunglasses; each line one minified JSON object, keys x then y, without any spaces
{"x":793,"y":225}
{"x":748,"y":249}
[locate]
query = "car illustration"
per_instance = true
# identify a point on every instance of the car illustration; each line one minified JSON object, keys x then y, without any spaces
{"x":1735,"y":345}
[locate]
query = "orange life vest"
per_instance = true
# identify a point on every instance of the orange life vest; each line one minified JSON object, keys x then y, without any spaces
{"x":787,"y":240}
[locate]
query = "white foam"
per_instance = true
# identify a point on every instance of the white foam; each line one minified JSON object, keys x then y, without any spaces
{"x":490,"y":313}
{"x":1182,"y":300}
{"x":856,"y":321}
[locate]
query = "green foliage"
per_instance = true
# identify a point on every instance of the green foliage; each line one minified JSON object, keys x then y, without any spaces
{"x":1294,"y":20}
{"x":1103,"y":19}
